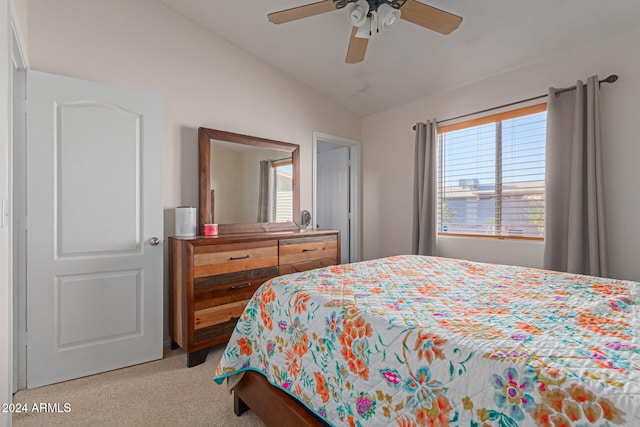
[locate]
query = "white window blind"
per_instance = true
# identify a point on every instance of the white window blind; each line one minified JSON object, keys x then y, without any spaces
{"x":491,"y":175}
{"x":283,"y":192}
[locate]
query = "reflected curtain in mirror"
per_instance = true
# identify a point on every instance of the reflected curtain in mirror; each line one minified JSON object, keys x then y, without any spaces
{"x":264,"y":191}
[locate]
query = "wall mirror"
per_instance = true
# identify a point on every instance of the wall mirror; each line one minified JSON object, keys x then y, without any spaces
{"x":247,"y":184}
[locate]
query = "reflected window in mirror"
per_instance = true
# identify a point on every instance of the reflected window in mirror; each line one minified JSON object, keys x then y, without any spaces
{"x":283,"y":191}
{"x":251,"y":184}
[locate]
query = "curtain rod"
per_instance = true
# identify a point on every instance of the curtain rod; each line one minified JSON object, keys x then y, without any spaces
{"x":612,"y":78}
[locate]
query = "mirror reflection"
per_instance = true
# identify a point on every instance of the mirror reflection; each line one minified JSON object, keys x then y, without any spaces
{"x":250,"y":184}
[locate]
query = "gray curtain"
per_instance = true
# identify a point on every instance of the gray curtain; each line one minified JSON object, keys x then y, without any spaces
{"x":264,"y":191}
{"x":575,"y":238}
{"x":425,"y":199}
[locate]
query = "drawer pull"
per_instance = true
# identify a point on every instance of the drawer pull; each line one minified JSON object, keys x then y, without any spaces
{"x":245,"y":285}
{"x":310,"y":250}
{"x":235,"y":258}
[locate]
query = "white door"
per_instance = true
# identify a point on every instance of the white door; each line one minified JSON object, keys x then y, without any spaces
{"x":94,"y":228}
{"x":333,"y":193}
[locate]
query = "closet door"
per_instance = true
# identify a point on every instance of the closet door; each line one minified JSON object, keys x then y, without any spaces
{"x":334,"y":195}
{"x":94,"y":228}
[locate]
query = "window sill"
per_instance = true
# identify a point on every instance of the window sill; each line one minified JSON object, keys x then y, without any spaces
{"x":486,"y":236}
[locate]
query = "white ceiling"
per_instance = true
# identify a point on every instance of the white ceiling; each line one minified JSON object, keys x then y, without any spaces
{"x":410,"y":62}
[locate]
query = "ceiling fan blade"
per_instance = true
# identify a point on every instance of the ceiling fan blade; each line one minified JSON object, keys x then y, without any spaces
{"x":429,"y":17}
{"x":357,"y":48}
{"x":300,"y":12}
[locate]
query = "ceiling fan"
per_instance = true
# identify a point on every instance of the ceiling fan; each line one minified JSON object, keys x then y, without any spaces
{"x":368,"y":17}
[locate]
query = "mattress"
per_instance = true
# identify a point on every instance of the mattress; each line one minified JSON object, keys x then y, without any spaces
{"x":426,"y":341}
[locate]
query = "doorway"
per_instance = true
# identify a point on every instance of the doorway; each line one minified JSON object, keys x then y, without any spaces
{"x":336,"y":190}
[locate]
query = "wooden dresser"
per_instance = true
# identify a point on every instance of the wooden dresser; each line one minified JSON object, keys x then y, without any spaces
{"x":213,"y":278}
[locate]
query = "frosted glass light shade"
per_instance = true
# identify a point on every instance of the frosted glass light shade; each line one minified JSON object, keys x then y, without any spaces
{"x":358,"y":13}
{"x":388,"y":17}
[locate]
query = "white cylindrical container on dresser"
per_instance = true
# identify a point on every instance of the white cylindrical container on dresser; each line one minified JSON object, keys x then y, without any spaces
{"x":185,"y":221}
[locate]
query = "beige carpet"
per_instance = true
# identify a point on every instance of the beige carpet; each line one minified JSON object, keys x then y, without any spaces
{"x":160,"y":393}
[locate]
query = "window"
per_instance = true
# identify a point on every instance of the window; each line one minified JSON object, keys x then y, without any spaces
{"x":491,"y":175}
{"x":283,"y":191}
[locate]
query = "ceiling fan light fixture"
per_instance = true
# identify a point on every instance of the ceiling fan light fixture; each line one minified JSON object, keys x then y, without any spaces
{"x":388,"y":17}
{"x":358,"y":12}
{"x":364,"y":31}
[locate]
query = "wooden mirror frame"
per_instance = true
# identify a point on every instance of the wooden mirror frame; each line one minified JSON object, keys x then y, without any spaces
{"x":205,"y":136}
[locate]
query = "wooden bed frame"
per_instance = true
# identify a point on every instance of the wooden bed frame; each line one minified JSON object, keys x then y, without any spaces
{"x":273,"y":406}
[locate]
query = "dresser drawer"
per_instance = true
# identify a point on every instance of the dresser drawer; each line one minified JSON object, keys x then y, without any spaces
{"x":307,"y":253}
{"x":304,"y":249}
{"x":216,"y":322}
{"x":230,"y":287}
{"x":225,"y":258}
{"x":307,"y":265}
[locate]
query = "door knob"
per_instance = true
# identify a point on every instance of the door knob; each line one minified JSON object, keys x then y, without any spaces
{"x":154,"y":241}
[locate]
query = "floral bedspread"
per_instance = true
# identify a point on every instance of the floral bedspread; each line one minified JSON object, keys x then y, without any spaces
{"x":425,"y":341}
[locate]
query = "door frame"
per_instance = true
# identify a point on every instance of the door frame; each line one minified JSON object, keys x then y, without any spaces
{"x":355,"y":187}
{"x":18,"y":66}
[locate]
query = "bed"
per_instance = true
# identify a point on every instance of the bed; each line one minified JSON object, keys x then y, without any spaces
{"x":426,"y":341}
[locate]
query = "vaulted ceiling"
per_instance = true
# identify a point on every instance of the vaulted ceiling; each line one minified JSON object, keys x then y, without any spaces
{"x":409,"y":62}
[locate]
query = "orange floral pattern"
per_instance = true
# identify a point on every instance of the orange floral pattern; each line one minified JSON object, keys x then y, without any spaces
{"x":300,"y":303}
{"x":266,"y":309}
{"x":429,"y":346}
{"x":321,"y":387}
{"x":245,"y":346}
{"x":573,"y":404}
{"x":418,"y":341}
{"x":355,"y":346}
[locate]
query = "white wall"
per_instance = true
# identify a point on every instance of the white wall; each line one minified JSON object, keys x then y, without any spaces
{"x":20,"y":7}
{"x":204,"y":81}
{"x":388,"y":144}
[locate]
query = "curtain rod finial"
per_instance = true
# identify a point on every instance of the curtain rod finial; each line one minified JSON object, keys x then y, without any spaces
{"x":612,"y":78}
